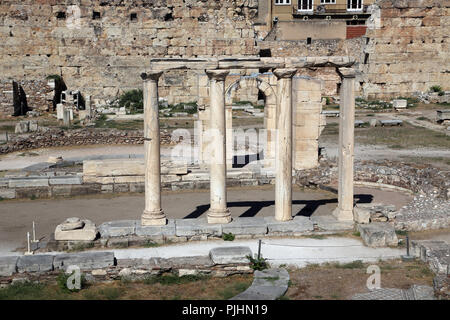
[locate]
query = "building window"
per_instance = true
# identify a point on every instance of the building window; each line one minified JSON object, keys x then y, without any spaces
{"x":354,"y":5}
{"x":327,"y":1}
{"x":305,"y":5}
{"x":133,"y":17}
{"x":96,"y":15}
{"x":282,"y":2}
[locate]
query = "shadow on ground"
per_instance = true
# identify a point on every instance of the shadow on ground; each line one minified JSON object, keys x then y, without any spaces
{"x":310,"y":206}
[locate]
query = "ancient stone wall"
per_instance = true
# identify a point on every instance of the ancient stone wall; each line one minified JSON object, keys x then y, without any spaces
{"x":101,"y":47}
{"x":408,"y":49}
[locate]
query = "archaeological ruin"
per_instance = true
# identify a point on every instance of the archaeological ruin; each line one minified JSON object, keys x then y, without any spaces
{"x":237,"y":149}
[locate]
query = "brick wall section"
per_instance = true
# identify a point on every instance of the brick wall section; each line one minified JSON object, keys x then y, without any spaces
{"x":356,"y":31}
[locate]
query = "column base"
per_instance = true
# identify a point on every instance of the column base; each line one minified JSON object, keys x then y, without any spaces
{"x":343,"y":215}
{"x":156,"y":218}
{"x":283,"y":219}
{"x":216,"y":217}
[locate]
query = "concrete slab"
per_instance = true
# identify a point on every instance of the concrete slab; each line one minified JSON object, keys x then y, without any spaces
{"x":36,"y":263}
{"x":196,"y":227}
{"x":228,"y":255}
{"x":166,"y":230}
{"x":118,"y":228}
{"x":268,"y":284}
{"x":246,"y":226}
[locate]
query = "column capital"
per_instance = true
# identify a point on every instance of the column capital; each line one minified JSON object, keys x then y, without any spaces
{"x":347,"y":72}
{"x":217,"y":74}
{"x":284,"y":73}
{"x":151,"y":75}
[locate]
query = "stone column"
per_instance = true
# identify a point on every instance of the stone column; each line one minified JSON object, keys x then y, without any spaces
{"x":218,"y":212}
{"x":283,"y":156}
{"x":153,"y":214}
{"x":344,"y":210}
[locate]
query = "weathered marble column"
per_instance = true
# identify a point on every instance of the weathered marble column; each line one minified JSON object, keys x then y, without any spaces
{"x":153,"y":214}
{"x":344,"y":210}
{"x":218,"y":211}
{"x":283,"y":156}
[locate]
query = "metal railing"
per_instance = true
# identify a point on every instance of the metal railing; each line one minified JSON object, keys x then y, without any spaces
{"x":328,"y":8}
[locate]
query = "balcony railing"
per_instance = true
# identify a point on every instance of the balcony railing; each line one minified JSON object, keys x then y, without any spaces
{"x":329,"y":8}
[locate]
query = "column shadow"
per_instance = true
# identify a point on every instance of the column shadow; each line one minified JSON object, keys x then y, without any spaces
{"x":308,"y":210}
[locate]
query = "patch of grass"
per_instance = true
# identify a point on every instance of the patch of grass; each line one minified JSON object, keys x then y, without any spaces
{"x":81,"y":247}
{"x":283,"y":298}
{"x":317,"y":236}
{"x":232,"y":290}
{"x":358,"y":264}
{"x":62,"y":278}
{"x":103,"y":122}
{"x":421,"y":118}
{"x":172,"y":279}
{"x":33,"y":197}
{"x":357,"y":234}
{"x":401,"y":232}
{"x":1,"y":199}
{"x":228,"y":236}
{"x":21,"y":291}
{"x":150,"y":244}
{"x":110,"y":293}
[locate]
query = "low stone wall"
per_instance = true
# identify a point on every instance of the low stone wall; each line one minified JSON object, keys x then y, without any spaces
{"x":102,"y":266}
{"x":130,"y":233}
{"x":48,"y":138}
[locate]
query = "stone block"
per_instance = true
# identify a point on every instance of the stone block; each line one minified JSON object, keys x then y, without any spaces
{"x":65,"y":180}
{"x":230,"y":255}
{"x":196,"y":227}
{"x":299,"y":224}
{"x":28,"y":182}
{"x":35,"y":263}
{"x":8,"y":265}
{"x":330,"y":223}
{"x":378,"y":234}
{"x":166,"y":230}
{"x":361,"y":215}
{"x":399,"y":104}
{"x":87,"y":233}
{"x":84,"y":260}
{"x":118,"y":228}
{"x":7,"y":193}
{"x":246,"y":226}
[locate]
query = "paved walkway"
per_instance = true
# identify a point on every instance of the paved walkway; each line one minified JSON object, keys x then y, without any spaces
{"x":296,"y":252}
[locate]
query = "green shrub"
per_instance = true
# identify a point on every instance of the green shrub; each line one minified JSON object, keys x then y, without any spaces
{"x":228,"y":236}
{"x":257,"y":263}
{"x":133,"y":100}
{"x":436,"y":89}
